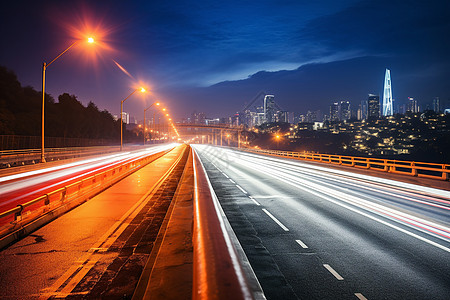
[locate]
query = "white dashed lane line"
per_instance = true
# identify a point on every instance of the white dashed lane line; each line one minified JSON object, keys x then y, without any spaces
{"x":242,"y":190}
{"x":275,"y":219}
{"x":332,"y":271}
{"x":360,"y":296}
{"x":232,"y":181}
{"x":256,"y":202}
{"x":301,"y":244}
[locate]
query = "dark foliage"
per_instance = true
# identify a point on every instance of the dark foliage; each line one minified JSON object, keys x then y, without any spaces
{"x":20,"y":113}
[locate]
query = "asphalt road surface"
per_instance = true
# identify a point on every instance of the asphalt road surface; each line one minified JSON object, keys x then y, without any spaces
{"x":311,"y":232}
{"x":98,"y":249}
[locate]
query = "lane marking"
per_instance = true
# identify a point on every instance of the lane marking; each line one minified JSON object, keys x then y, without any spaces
{"x":275,"y":219}
{"x":256,"y":202}
{"x":332,"y":271}
{"x":308,"y":189}
{"x":239,"y":187}
{"x":360,"y":296}
{"x":225,"y":175}
{"x":232,"y":181}
{"x":301,"y":244}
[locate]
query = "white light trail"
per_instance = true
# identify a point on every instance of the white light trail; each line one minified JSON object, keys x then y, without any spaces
{"x":363,"y":194}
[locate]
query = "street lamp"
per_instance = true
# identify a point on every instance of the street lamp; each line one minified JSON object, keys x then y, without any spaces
{"x":44,"y":68}
{"x":121,"y":114}
{"x":155,"y":103}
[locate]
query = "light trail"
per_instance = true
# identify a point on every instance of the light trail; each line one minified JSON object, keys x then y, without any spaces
{"x":398,"y":202}
{"x":19,"y":186}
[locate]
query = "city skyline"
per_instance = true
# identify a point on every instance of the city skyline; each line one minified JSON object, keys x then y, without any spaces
{"x":218,"y":57}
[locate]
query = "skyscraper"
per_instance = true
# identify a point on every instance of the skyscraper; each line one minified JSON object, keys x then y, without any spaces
{"x":413,"y":106}
{"x":387,"y":95}
{"x":334,"y":111}
{"x":436,"y":104}
{"x":373,"y":107}
{"x":269,"y":108}
{"x":344,"y":110}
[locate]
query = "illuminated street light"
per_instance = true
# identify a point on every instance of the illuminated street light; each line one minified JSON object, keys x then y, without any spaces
{"x":155,"y":103}
{"x":44,"y":68}
{"x":121,"y":114}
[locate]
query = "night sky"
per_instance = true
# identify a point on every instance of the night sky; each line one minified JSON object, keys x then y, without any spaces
{"x":215,"y":56}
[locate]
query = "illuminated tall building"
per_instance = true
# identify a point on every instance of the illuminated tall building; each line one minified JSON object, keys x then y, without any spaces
{"x":334,"y":111}
{"x":344,"y":111}
{"x":373,"y":107}
{"x":436,"y":104}
{"x":269,"y":108}
{"x":387,"y":95}
{"x":412,"y":106}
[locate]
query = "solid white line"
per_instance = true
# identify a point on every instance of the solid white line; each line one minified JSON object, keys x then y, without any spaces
{"x":256,"y":202}
{"x":232,"y":181}
{"x":275,"y":219}
{"x":301,"y":244}
{"x":239,"y":187}
{"x":332,"y":271}
{"x":225,"y":175}
{"x":360,"y":296}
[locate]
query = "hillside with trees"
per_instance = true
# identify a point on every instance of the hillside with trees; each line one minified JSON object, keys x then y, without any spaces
{"x":20,"y":113}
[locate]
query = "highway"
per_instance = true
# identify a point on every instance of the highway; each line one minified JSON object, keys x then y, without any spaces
{"x":312,"y":232}
{"x":98,"y":249}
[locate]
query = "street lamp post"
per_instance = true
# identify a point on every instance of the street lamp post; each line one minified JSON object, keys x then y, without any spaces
{"x":44,"y":68}
{"x":157,"y":103}
{"x":121,"y":115}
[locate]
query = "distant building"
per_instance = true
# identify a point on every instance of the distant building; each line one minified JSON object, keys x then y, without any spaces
{"x":269,"y":108}
{"x":364,"y":113}
{"x":436,"y":105}
{"x":387,"y":95}
{"x":373,"y":107}
{"x":344,"y":111}
{"x":198,"y":118}
{"x":125,"y":118}
{"x":412,"y":105}
{"x":334,"y":111}
{"x":212,"y":121}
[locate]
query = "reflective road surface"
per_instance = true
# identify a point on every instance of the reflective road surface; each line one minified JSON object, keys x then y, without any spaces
{"x":312,"y":232}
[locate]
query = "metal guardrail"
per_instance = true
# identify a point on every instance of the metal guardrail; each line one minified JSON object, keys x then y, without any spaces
{"x":418,"y":169}
{"x":218,"y":273}
{"x":72,"y":195}
{"x":10,"y":158}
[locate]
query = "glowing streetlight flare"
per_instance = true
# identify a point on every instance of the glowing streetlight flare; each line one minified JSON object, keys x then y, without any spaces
{"x":90,"y":40}
{"x":142,"y":90}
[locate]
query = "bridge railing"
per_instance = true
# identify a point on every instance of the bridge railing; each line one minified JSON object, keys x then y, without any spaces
{"x":9,"y":158}
{"x":49,"y":206}
{"x":418,"y":169}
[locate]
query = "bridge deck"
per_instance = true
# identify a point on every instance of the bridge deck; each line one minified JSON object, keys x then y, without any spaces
{"x":99,"y":248}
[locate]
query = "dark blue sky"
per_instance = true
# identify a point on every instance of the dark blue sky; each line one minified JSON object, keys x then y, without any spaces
{"x":214,"y":56}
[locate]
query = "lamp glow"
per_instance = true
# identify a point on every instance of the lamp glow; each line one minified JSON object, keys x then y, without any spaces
{"x":90,"y":40}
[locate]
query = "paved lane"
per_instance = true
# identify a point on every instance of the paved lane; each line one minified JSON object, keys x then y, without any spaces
{"x":312,"y":232}
{"x":98,"y":249}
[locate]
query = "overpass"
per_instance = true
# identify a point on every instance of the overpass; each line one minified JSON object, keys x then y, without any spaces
{"x":171,"y":221}
{"x":216,"y":134}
